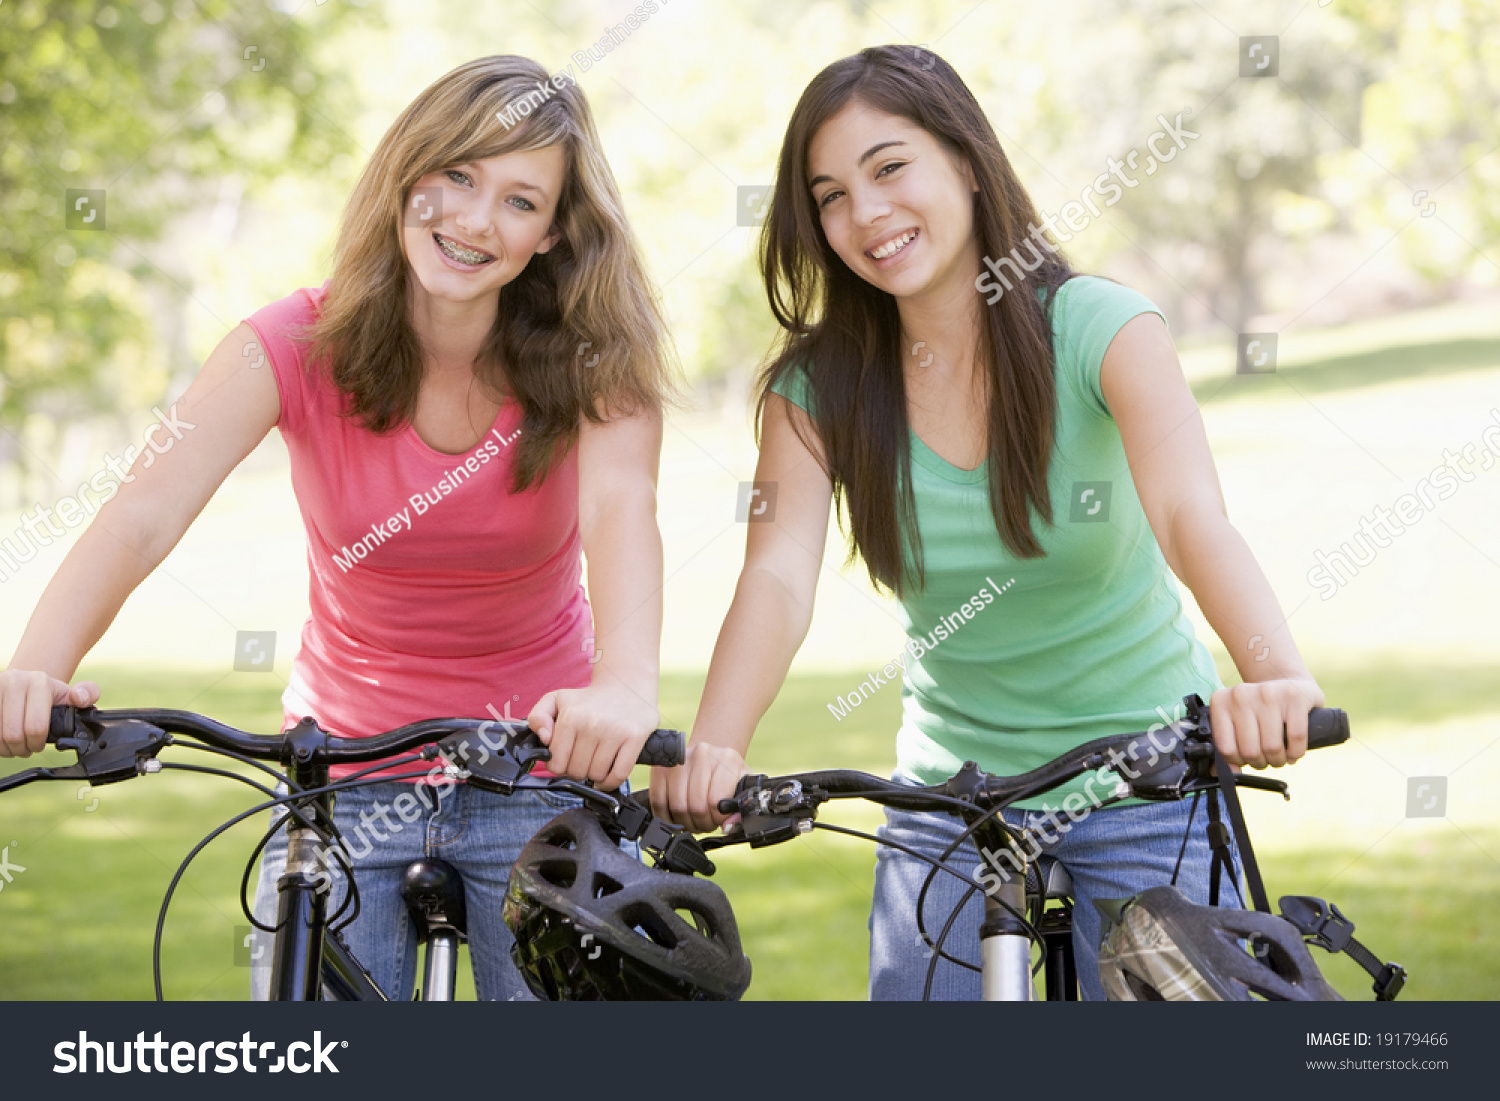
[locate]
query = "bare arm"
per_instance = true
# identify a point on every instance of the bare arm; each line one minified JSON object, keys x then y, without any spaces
{"x":230,"y":407}
{"x":1264,"y":720}
{"x":598,"y":732}
{"x":766,"y":623}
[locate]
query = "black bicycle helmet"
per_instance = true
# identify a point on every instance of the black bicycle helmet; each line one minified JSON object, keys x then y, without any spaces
{"x":593,"y":924}
{"x":1162,"y":947}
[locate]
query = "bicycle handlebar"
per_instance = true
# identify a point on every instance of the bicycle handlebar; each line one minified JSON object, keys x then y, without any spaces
{"x":1180,"y":757}
{"x":145,"y":730}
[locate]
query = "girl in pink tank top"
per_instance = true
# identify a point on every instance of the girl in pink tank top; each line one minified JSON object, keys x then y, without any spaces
{"x":471,"y":400}
{"x":470,"y":403}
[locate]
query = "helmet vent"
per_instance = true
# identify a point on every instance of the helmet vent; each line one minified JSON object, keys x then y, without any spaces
{"x":559,"y":873}
{"x":660,"y":934}
{"x":557,"y":834}
{"x":647,"y":923}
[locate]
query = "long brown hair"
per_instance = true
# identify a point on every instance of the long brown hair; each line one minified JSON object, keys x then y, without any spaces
{"x":846,"y":333}
{"x":589,"y":289}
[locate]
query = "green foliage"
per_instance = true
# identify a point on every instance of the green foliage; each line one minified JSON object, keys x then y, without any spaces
{"x":151,"y":103}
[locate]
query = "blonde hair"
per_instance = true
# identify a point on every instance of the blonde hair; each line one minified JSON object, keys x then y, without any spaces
{"x":590,"y":288}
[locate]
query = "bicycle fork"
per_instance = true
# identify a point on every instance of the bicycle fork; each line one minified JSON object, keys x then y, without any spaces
{"x":1004,"y":944}
{"x":301,"y":912}
{"x":301,"y":916}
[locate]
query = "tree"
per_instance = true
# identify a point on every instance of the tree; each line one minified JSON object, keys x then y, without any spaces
{"x":113,"y":120}
{"x":1265,"y":120}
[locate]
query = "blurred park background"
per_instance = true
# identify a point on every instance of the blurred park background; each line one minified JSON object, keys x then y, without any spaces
{"x":1342,"y":193}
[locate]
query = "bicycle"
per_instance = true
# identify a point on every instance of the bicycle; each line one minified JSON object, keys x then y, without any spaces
{"x":310,"y":960}
{"x":1030,"y":903}
{"x":306,"y":963}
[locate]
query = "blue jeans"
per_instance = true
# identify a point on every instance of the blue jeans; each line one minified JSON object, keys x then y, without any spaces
{"x":478,"y":832}
{"x":1113,"y":852}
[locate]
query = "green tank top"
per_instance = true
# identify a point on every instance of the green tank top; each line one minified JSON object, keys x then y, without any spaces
{"x":1010,"y":662}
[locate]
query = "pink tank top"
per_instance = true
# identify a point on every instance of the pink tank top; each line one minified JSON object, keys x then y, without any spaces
{"x":435,"y":591}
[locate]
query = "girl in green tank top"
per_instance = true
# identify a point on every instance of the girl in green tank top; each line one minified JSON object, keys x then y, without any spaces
{"x":1014,"y":452}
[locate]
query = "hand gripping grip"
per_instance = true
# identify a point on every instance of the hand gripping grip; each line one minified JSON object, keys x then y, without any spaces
{"x":62,"y":722}
{"x":665,"y":748}
{"x":1327,"y":726}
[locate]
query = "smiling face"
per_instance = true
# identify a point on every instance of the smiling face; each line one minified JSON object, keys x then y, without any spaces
{"x":895,"y":205}
{"x":486,"y":220}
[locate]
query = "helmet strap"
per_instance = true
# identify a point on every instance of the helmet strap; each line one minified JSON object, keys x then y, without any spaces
{"x":1218,"y":839}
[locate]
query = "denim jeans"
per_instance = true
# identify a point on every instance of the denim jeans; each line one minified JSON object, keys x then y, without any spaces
{"x":480,"y":833}
{"x":1111,"y":853}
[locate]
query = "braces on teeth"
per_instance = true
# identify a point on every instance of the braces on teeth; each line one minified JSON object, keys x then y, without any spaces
{"x":459,"y":253}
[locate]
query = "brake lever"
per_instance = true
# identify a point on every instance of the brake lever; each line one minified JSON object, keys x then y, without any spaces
{"x":1239,"y":780}
{"x":20,"y":779}
{"x":108,"y":750}
{"x":1181,"y":760}
{"x":502,"y":764}
{"x":771,"y":815}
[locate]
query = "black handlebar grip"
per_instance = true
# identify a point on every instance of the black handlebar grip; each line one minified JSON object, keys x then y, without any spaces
{"x":665,"y":748}
{"x":1327,"y":726}
{"x":62,"y":722}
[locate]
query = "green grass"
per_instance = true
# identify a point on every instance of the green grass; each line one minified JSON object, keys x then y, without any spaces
{"x":1371,"y":367}
{"x":78,"y":922}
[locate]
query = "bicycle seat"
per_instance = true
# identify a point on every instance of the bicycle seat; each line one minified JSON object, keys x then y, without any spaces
{"x":434,"y":895}
{"x":1046,"y":870}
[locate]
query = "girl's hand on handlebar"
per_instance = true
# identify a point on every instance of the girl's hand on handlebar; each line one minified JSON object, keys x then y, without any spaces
{"x":594,"y":733}
{"x":26,"y":702}
{"x":1265,"y":723}
{"x":689,"y":794}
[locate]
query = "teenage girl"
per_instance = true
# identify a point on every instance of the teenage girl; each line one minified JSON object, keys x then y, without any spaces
{"x":1021,"y":469}
{"x":472,"y":400}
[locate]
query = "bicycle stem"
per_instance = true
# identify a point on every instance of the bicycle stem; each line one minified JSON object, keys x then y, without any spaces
{"x":302,"y":907}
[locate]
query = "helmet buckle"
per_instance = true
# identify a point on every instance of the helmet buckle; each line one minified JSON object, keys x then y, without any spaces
{"x":1318,"y":921}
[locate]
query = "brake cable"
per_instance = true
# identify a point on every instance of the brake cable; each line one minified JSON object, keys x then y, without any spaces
{"x":234,"y":821}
